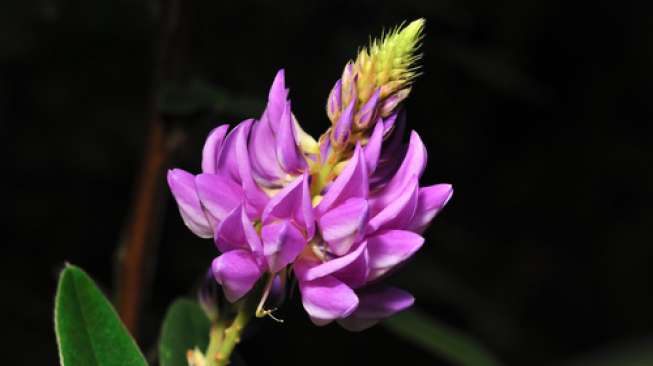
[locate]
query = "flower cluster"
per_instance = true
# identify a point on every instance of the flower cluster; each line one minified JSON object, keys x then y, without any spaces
{"x":338,"y":214}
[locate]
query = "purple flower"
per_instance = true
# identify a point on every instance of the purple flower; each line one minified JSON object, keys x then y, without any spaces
{"x":363,"y":236}
{"x":340,"y":215}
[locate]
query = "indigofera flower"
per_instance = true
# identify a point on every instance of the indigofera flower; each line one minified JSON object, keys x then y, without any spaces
{"x":340,"y":213}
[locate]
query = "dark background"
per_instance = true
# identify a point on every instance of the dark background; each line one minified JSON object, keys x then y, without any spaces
{"x":538,"y":112}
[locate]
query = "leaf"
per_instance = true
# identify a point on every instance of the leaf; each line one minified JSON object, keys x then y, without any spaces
{"x":639,"y":353}
{"x":439,"y":339}
{"x":185,"y":327}
{"x":87,"y":327}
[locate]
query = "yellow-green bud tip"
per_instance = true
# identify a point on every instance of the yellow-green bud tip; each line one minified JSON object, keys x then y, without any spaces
{"x":390,"y":62}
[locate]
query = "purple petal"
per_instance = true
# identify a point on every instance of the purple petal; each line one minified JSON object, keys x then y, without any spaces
{"x":237,"y":272}
{"x":227,"y":164}
{"x":277,"y":100}
{"x":412,"y":167}
{"x":237,"y":232}
{"x":288,"y":154}
{"x":373,"y":148}
{"x":212,"y":149}
{"x":398,"y":213}
{"x":343,"y":225}
{"x":367,"y":113}
{"x":389,"y":123}
{"x":292,"y":202}
{"x":390,"y":248}
{"x":326,"y":299}
{"x":392,"y":152}
{"x":342,"y":129}
{"x":334,"y":103}
{"x":390,"y":104}
{"x":375,"y":305}
{"x":351,"y":183}
{"x":431,"y":200}
{"x":356,"y":273}
{"x":219,"y":194}
{"x":262,"y":153}
{"x":256,"y":199}
{"x":307,"y":270}
{"x":182,"y":186}
{"x":282,"y":242}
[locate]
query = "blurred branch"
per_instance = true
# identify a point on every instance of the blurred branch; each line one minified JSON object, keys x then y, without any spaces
{"x":135,"y":260}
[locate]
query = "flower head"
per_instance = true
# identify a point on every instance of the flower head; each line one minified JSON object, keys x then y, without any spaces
{"x":339,"y":214}
{"x":374,"y":85}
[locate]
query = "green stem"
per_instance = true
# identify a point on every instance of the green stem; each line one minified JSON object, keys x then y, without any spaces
{"x":223,"y":340}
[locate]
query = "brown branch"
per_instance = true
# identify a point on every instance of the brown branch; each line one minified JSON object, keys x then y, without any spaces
{"x":135,"y":260}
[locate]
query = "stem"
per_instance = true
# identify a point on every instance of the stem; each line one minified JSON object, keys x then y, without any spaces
{"x":223,"y":341}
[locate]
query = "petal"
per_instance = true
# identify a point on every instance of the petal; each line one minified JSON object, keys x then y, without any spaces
{"x":412,"y":166}
{"x":256,"y":199}
{"x":351,"y":183}
{"x":390,"y":248}
{"x":334,"y":103}
{"x":398,"y":213}
{"x":292,"y":202}
{"x":326,"y":299}
{"x":431,"y":200}
{"x":182,"y":186}
{"x":367,"y":113}
{"x":237,"y":232}
{"x":227,"y":160}
{"x":219,"y":194}
{"x":342,"y":129}
{"x":373,"y":148}
{"x":262,"y":153}
{"x":276,"y":100}
{"x":288,"y":154}
{"x":342,"y":226}
{"x":375,"y":305}
{"x":282,"y":242}
{"x":212,"y":149}
{"x":237,"y":272}
{"x":356,"y":273}
{"x":309,"y":271}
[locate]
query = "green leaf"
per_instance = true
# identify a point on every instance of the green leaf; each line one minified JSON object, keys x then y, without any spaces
{"x":439,"y":339}
{"x":639,"y":353}
{"x":185,"y":327}
{"x":87,"y":327}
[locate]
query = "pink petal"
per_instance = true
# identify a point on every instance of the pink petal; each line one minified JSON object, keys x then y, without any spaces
{"x":256,"y":199}
{"x":390,"y":248}
{"x":356,"y":273}
{"x":376,"y":305}
{"x":326,"y":299}
{"x":288,"y":154}
{"x":373,"y":148}
{"x":182,"y":186}
{"x":218,"y":194}
{"x":212,"y":149}
{"x":431,"y":200}
{"x":276,"y":100}
{"x":307,"y":270}
{"x":397,"y":213}
{"x":237,"y":232}
{"x":292,"y":202}
{"x":343,"y":225}
{"x":282,"y":242}
{"x":262,"y":153}
{"x":351,"y":183}
{"x":237,"y":272}
{"x":412,"y":166}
